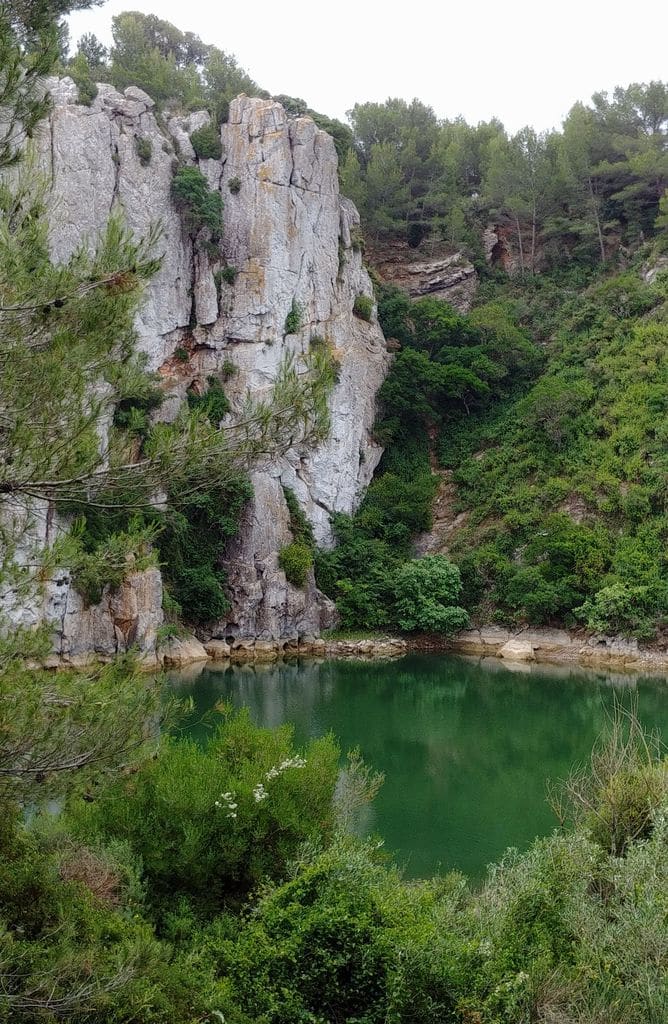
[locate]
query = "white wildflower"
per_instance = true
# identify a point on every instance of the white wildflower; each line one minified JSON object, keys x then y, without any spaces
{"x":228,"y":802}
{"x":259,"y":792}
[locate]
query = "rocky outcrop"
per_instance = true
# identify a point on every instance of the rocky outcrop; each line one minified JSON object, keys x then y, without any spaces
{"x":290,"y":237}
{"x":443,"y":275}
{"x":125,"y":618}
{"x":264,"y":605}
{"x":263,"y":651}
{"x":560,"y":647}
{"x":177,"y":652}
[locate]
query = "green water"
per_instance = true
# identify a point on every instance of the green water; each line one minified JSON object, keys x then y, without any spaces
{"x":466,"y":747}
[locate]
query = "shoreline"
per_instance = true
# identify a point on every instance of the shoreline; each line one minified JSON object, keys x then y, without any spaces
{"x":525,"y":647}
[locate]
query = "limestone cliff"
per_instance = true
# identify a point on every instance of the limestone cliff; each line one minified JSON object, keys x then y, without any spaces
{"x":288,"y":233}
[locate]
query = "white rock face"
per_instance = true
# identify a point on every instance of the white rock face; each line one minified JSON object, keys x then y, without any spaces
{"x":287,"y":231}
{"x":265,"y":605}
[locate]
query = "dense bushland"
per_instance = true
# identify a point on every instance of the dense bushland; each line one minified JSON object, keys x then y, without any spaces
{"x":183,"y":882}
{"x":449,"y":368}
{"x":558,"y":198}
{"x":566,"y":487}
{"x":558,"y":454}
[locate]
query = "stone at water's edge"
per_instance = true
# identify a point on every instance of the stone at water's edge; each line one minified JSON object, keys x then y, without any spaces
{"x":542,"y":644}
{"x":178,"y":652}
{"x":290,"y":236}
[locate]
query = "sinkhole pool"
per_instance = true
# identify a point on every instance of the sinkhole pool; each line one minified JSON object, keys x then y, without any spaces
{"x":466,"y":746}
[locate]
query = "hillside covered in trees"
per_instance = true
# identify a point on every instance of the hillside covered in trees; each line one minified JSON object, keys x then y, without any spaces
{"x":546,"y":405}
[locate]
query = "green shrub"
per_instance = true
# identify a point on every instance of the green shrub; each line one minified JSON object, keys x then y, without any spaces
{"x":80,"y":71}
{"x":296,"y":560}
{"x":358,"y":574}
{"x":182,"y":354}
{"x":111,"y":561}
{"x":193,"y":542}
{"x":167,"y":631}
{"x":300,"y":526}
{"x":206,"y":142}
{"x":620,"y":609}
{"x":201,"y":207}
{"x":363,"y":307}
{"x":234,"y":185}
{"x":229,"y":274}
{"x":425,"y":592}
{"x":140,"y":396}
{"x":213,"y":402}
{"x":293,"y":321}
{"x":228,"y":370}
{"x":617,"y":796}
{"x":325,"y":946}
{"x":143,"y":149}
{"x":194,"y":820}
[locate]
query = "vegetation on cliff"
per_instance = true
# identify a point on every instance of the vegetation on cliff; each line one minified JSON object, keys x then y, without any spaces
{"x":524,"y":400}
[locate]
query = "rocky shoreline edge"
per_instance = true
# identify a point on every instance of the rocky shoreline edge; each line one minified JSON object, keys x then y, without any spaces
{"x":521,"y":647}
{"x":525,"y":646}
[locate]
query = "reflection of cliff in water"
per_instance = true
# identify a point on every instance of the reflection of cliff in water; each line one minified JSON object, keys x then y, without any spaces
{"x":466,"y":747}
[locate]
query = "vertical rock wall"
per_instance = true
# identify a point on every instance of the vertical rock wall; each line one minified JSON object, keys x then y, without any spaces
{"x":291,"y":238}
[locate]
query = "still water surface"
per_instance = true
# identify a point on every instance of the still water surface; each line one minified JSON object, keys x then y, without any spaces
{"x":466,"y":747}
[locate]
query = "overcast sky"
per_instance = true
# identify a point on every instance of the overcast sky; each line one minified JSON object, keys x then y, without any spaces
{"x":523,"y":61}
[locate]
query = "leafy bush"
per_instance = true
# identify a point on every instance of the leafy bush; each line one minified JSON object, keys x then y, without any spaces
{"x":199,"y":820}
{"x":200,"y":205}
{"x":296,"y":559}
{"x":228,"y":370}
{"x":212,"y":403}
{"x":363,"y":307}
{"x":339,"y":927}
{"x":206,"y":142}
{"x":138,"y":395}
{"x":193,"y":542}
{"x":96,"y":565}
{"x":620,"y":609}
{"x":425,"y":592}
{"x":234,"y":185}
{"x":359,"y":573}
{"x":229,"y":274}
{"x":80,"y":71}
{"x":293,"y":321}
{"x":300,"y":526}
{"x":615,"y":797}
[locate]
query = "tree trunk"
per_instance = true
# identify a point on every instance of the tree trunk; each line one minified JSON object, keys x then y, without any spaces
{"x":533,"y":239}
{"x":519,"y":245}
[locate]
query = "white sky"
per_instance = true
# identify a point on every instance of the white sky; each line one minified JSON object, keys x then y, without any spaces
{"x":524,"y":61}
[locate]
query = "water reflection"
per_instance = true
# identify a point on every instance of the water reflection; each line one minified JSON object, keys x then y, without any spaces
{"x":466,"y":745}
